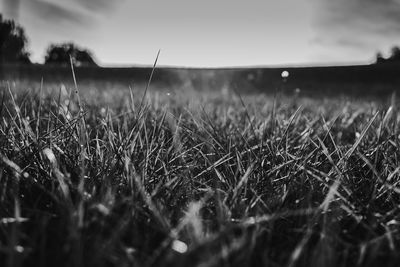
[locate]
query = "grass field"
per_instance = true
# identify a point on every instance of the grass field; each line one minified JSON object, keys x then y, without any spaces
{"x":113,"y":177}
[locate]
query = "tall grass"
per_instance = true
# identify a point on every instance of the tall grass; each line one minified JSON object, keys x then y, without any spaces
{"x":117,"y":179}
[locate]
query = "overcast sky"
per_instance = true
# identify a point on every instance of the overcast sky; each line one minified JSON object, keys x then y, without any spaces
{"x":210,"y":33}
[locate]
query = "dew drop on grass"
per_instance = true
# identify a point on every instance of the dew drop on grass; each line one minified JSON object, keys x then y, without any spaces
{"x":87,"y":195}
{"x":19,"y":249}
{"x":49,"y":154}
{"x":103,"y":209}
{"x":392,"y":222}
{"x":130,"y":250}
{"x":285,"y":74}
{"x":179,"y":246}
{"x":252,"y":220}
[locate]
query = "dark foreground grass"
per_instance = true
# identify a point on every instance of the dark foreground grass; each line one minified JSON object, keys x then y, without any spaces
{"x":114,"y":179}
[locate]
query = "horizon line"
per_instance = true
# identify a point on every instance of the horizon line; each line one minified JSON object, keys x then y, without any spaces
{"x":247,"y":66}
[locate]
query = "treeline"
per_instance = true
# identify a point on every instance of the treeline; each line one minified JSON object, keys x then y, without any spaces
{"x":14,"y":43}
{"x":393,"y":58}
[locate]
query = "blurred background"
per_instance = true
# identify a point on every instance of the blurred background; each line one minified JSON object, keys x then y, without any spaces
{"x":328,"y":47}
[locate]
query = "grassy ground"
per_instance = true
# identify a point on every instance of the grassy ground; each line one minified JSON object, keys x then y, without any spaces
{"x":112,"y":178}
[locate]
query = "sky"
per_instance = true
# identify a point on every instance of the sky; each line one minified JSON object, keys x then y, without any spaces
{"x":213,"y":33}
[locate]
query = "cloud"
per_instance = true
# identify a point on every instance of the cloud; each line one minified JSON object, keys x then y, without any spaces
{"x":75,"y":12}
{"x":11,"y":8}
{"x":352,"y":22}
{"x":56,"y":12}
{"x":99,"y":5}
{"x":341,"y":41}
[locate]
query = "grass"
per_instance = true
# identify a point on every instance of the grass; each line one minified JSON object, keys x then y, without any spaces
{"x":111,"y":178}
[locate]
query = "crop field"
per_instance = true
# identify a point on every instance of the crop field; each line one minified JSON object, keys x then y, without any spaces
{"x":94,"y":175}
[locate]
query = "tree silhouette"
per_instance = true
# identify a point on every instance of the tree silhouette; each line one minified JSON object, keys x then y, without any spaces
{"x":393,"y":58}
{"x":13,"y":43}
{"x":60,"y":54}
{"x":395,"y":54}
{"x":380,"y":58}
